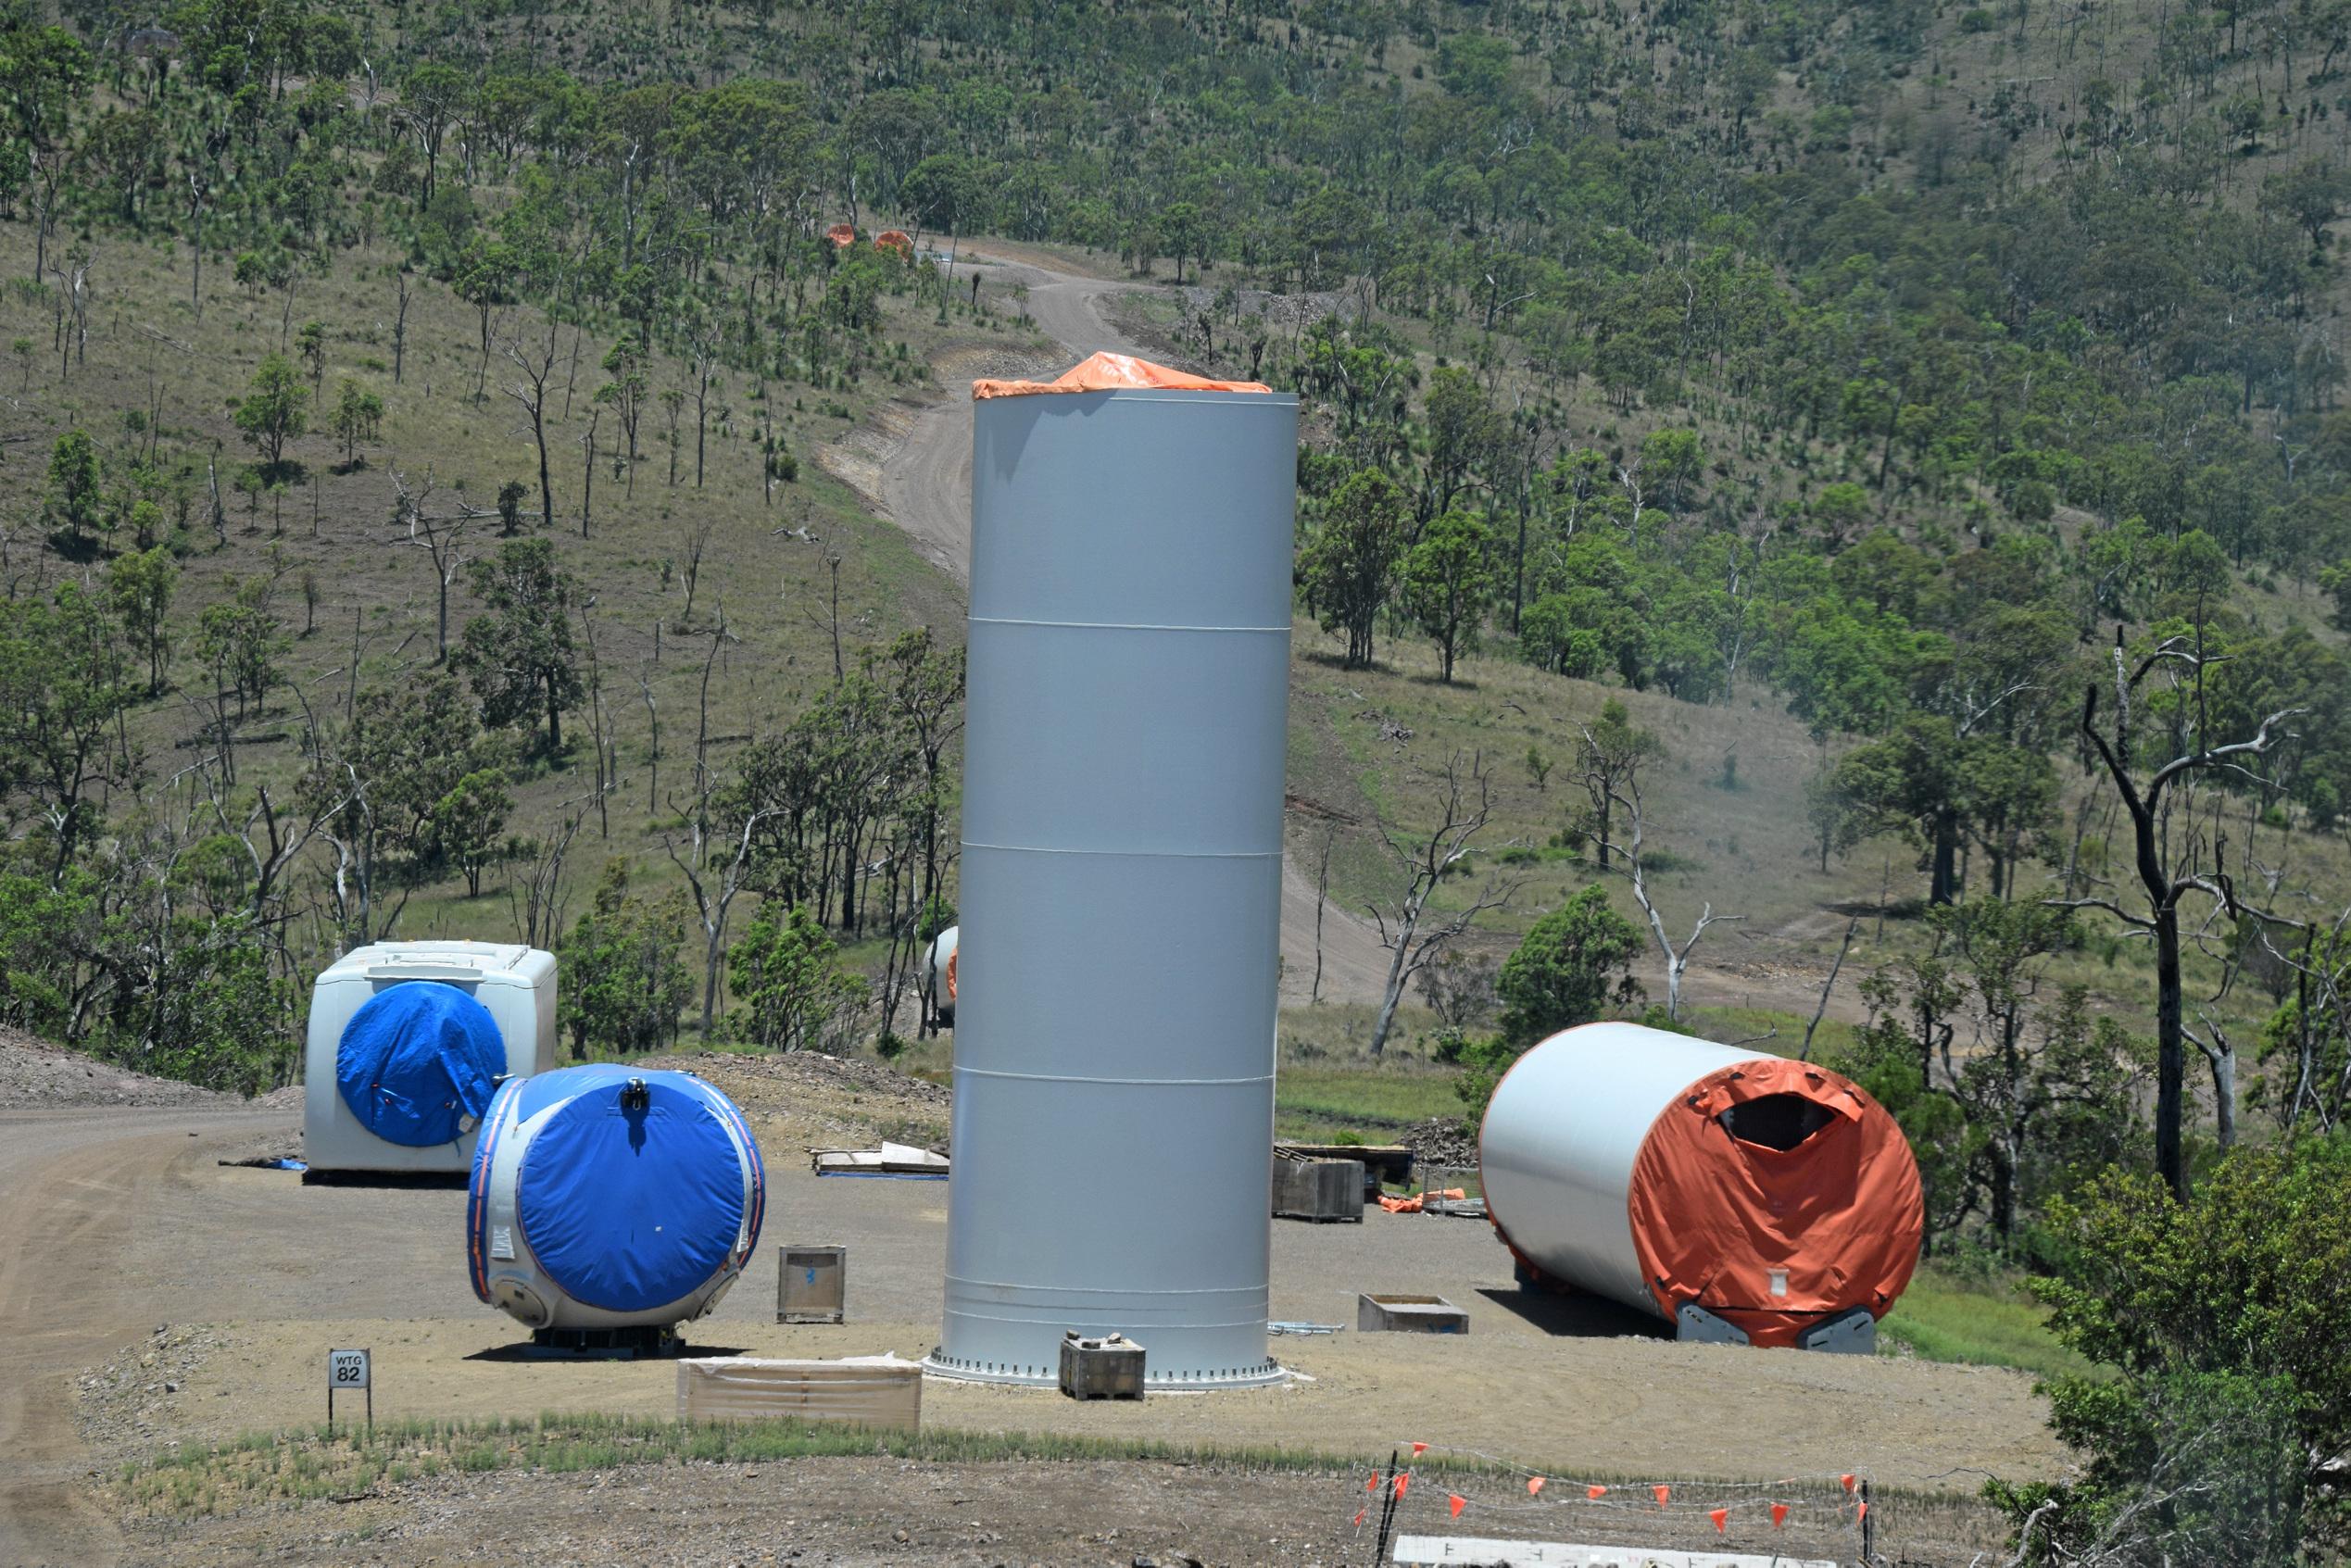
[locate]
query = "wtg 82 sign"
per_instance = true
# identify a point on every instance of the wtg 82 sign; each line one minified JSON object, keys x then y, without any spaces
{"x":347,"y":1371}
{"x":350,"y":1372}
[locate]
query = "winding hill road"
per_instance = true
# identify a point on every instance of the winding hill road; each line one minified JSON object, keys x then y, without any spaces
{"x":925,"y":488}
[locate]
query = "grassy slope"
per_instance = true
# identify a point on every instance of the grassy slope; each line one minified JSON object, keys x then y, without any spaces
{"x":776,"y":652}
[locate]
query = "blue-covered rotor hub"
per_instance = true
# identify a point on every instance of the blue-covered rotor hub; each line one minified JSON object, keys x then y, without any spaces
{"x":419,"y":1064}
{"x":606,"y":1195}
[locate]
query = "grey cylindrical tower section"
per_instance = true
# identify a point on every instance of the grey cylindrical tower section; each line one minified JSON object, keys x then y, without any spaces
{"x":1127,"y":713}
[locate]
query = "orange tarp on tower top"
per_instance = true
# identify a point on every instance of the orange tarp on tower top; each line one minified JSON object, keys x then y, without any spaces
{"x":1112,"y":373}
{"x":1771,"y":1238}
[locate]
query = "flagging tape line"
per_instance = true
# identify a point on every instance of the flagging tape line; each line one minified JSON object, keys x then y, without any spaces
{"x":1766,"y":1501}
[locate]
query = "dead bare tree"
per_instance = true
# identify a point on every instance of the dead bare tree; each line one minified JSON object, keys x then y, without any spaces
{"x":1828,"y":985}
{"x":531,"y":394}
{"x":1627,"y":800}
{"x":697,"y":542}
{"x":1412,"y":933}
{"x":401,"y":328}
{"x":537,"y":912}
{"x":1322,"y":902}
{"x":713,"y":893}
{"x":2164,"y":881}
{"x":440,"y":536}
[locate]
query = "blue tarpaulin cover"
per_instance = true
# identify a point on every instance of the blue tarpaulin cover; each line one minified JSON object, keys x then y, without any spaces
{"x":628,"y":1208}
{"x":419,"y":1062}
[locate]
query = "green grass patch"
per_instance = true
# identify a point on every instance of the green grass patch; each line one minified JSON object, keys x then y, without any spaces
{"x":311,"y":1463}
{"x":1363,"y":1100}
{"x":1944,"y":1318}
{"x":307,"y":1463}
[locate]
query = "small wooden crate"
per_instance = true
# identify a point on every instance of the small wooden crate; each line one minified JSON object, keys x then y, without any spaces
{"x":1318,"y":1189}
{"x":1109,"y":1368}
{"x":811,"y":1284}
{"x":1408,"y":1314}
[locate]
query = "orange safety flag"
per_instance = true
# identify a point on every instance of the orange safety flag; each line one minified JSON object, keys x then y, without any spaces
{"x":1534,"y":1485}
{"x":1778,"y":1515}
{"x":1372,"y":1484}
{"x":1359,"y":1514}
{"x":1419,"y":1448}
{"x":1112,"y":372}
{"x":1595,"y":1493}
{"x":1662,"y":1493}
{"x":1848,"y":1481}
{"x":1721,"y":1516}
{"x":1403,"y":1479}
{"x":1456,"y":1502}
{"x":1860,"y":1512}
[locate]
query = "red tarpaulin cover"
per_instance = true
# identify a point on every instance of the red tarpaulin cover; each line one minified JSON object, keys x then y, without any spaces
{"x":1716,"y":1215}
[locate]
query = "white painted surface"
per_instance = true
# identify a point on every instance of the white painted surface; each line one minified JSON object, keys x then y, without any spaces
{"x":1484,"y":1554}
{"x":516,"y":983}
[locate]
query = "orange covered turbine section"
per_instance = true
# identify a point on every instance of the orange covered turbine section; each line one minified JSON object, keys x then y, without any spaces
{"x":1670,"y":1172}
{"x":1773,"y":1195}
{"x":1112,"y":373}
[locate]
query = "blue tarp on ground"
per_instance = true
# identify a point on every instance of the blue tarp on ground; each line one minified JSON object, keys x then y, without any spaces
{"x":628,"y":1208}
{"x":417,"y":1063}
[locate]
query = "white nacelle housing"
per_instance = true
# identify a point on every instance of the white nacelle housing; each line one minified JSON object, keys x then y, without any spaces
{"x":611,"y":1197}
{"x":515,"y":985}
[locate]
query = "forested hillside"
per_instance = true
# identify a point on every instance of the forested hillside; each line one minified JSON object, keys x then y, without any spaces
{"x":1838,"y":507}
{"x":413,"y":521}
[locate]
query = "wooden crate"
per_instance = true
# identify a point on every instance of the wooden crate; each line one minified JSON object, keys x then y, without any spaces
{"x":1318,"y":1189}
{"x":811,"y":1284}
{"x":882,"y":1392}
{"x":1109,"y":1368}
{"x":1390,"y":1162}
{"x":1408,"y":1314}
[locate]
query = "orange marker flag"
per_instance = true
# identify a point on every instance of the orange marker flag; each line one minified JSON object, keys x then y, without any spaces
{"x":1595,"y":1493}
{"x":1419,"y":1448}
{"x":1847,"y":1479}
{"x":1860,"y":1512}
{"x":1662,"y":1493}
{"x":1778,"y":1515}
{"x":1359,"y":1517}
{"x":1456,"y":1502}
{"x":1721,"y":1516}
{"x":1534,"y":1485}
{"x":1372,"y":1484}
{"x":1403,"y":1479}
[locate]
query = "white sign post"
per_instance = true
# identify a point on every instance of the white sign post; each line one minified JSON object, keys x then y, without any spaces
{"x":349,"y":1371}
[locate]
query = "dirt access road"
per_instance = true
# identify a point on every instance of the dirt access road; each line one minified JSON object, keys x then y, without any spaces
{"x":92,"y":1201}
{"x":925,"y":487}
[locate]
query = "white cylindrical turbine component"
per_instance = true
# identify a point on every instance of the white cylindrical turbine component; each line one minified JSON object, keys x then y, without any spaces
{"x":610,"y":1197}
{"x":938,"y":961}
{"x":1129,"y":673}
{"x":1662,"y":1170}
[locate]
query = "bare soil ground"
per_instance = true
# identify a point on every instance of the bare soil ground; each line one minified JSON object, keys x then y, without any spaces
{"x":120,"y":1232}
{"x":914,"y":462}
{"x":34,"y":1074}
